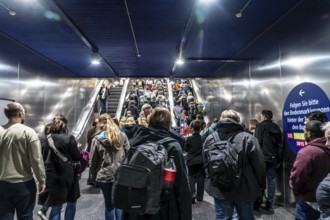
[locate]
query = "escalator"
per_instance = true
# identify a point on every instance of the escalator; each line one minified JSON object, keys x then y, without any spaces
{"x":113,"y":100}
{"x":88,"y":113}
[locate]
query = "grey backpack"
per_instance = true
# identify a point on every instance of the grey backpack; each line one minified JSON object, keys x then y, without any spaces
{"x":223,"y":166}
{"x":139,"y":180}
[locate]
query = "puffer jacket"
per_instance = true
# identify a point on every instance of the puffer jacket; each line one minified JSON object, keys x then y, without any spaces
{"x":323,"y":197}
{"x":254,"y":170}
{"x":105,"y":161}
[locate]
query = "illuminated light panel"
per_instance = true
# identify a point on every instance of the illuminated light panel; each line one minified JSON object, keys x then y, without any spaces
{"x":52,"y":16}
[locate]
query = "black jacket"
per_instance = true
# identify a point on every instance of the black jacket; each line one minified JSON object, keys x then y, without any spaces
{"x":194,"y":147}
{"x":179,"y":205}
{"x":269,"y":136}
{"x":62,"y":184}
{"x":106,"y":91}
{"x":254,"y":171}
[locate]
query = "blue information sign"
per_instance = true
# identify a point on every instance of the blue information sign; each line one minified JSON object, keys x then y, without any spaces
{"x":304,"y":98}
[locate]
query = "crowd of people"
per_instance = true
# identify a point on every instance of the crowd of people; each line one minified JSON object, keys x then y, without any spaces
{"x":257,"y":148}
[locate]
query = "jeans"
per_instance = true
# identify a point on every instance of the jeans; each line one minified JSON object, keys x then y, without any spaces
{"x":104,"y":106}
{"x":19,"y":197}
{"x":110,"y":211}
{"x":70,"y":212}
{"x":224,"y":210}
{"x":271,"y":181}
{"x":305,"y":212}
{"x":196,"y":175}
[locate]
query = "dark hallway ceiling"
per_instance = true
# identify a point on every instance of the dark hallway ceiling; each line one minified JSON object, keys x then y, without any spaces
{"x":139,"y":38}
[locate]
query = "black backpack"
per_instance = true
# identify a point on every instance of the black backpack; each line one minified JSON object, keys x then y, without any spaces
{"x":139,"y":180}
{"x":223,"y":167}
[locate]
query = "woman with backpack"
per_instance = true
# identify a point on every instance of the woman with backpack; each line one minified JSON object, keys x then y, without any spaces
{"x":108,"y":148}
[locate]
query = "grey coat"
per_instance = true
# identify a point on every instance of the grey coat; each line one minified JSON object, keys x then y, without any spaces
{"x":105,"y":162}
{"x":323,"y":197}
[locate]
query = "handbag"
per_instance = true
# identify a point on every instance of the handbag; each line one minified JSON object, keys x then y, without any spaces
{"x":75,"y":164}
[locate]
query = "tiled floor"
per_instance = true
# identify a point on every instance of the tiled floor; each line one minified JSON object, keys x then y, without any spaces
{"x":91,"y":207}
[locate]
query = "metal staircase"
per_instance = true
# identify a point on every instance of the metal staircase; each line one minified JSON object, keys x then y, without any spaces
{"x":113,"y":100}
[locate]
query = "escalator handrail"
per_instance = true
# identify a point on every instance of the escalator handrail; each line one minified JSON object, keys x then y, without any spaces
{"x":171,"y":100}
{"x":122,"y":98}
{"x":86,"y":112}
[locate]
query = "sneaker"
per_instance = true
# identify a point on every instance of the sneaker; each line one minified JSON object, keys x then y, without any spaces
{"x":42,"y":215}
{"x":269,"y":207}
{"x":257,"y":206}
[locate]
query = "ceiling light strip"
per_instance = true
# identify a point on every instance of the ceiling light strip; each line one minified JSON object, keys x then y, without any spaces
{"x":11,"y":12}
{"x":79,"y":32}
{"x":260,"y":35}
{"x":132,"y":29}
{"x":239,"y":14}
{"x":184,"y":36}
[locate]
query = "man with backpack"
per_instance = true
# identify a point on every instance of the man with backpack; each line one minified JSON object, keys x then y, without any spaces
{"x":269,"y":136}
{"x":235,"y":168}
{"x":140,"y":186}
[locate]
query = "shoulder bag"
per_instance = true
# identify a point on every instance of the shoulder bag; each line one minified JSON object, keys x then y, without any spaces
{"x":74,"y":164}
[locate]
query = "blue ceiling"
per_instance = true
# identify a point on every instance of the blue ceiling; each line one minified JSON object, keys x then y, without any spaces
{"x":67,"y":31}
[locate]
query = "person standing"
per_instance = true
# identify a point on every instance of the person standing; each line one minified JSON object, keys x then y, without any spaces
{"x":311,"y":166}
{"x":62,"y":185}
{"x":20,"y":159}
{"x":178,"y":205}
{"x":103,"y":97}
{"x":323,"y":198}
{"x":269,"y":136}
{"x":106,"y":159}
{"x":316,"y":115}
{"x":143,"y":118}
{"x":323,"y":190}
{"x":209,"y":130}
{"x":252,"y":125}
{"x":251,"y":163}
{"x":194,"y":148}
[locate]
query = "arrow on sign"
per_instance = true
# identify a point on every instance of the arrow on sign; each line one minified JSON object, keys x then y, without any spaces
{"x":301,"y":92}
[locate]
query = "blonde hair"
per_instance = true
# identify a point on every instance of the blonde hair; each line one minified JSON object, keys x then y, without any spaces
{"x":230,"y":114}
{"x":122,"y":121}
{"x":107,"y":124}
{"x":160,"y":118}
{"x":130,"y":121}
{"x":252,"y":124}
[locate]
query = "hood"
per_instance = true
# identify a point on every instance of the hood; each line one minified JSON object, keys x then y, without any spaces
{"x":102,"y":134}
{"x":226,"y":130}
{"x":102,"y":137}
{"x":271,"y":127}
{"x":143,"y":134}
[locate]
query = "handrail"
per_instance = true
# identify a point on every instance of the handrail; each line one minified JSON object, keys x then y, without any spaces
{"x":170,"y":100}
{"x":86,"y":112}
{"x":12,"y":100}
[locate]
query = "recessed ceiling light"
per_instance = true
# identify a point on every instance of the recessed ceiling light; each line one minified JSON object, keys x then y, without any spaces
{"x":179,"y":61}
{"x":95,"y":58}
